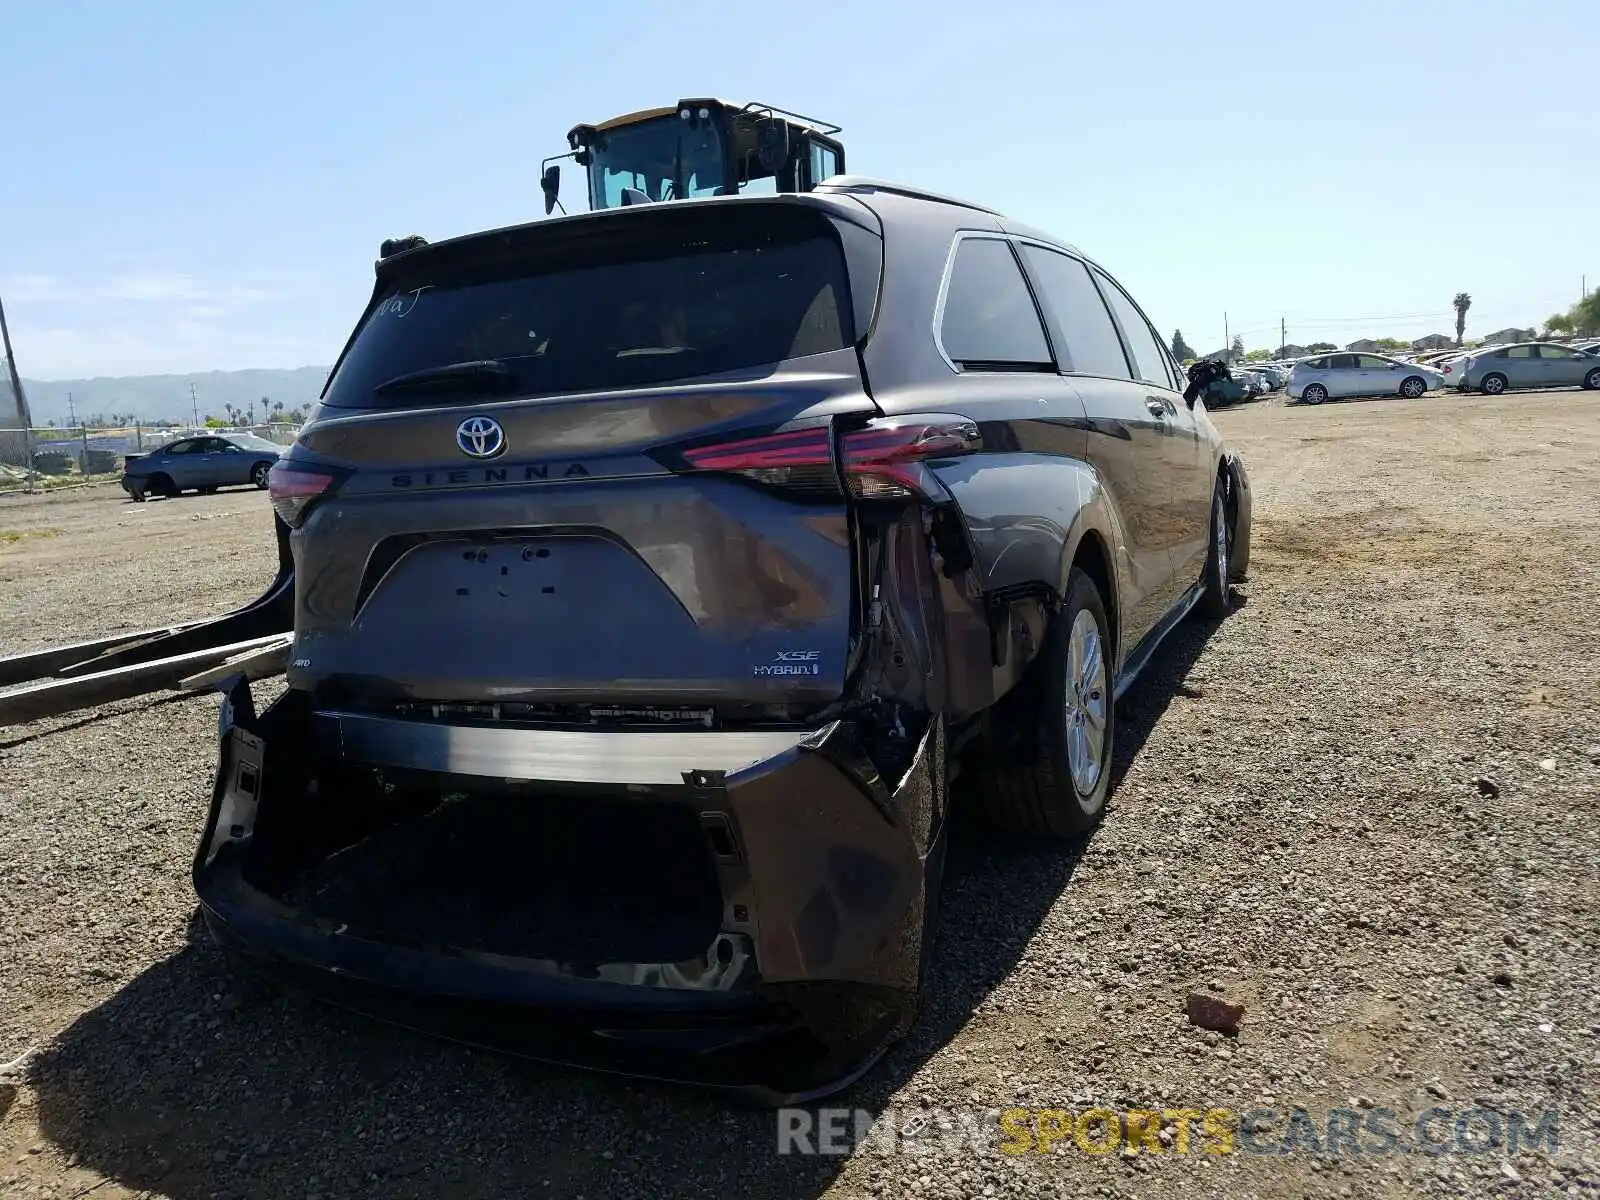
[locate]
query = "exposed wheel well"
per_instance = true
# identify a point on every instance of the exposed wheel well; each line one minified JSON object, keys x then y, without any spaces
{"x":1091,"y":558}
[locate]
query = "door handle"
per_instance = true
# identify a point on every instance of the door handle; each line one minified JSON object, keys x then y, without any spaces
{"x":1155,"y":406}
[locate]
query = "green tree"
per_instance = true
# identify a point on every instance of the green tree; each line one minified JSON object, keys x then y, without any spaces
{"x":1461,"y":303}
{"x":1259,"y":355}
{"x":1319,"y":347}
{"x":1582,"y":318}
{"x":1393,"y":344}
{"x":1236,"y":349}
{"x":1181,"y":350}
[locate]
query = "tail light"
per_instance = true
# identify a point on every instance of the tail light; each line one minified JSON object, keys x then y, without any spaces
{"x":292,"y":490}
{"x":799,"y":461}
{"x":889,"y":459}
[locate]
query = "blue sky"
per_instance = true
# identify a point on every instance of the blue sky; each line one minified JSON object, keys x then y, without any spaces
{"x":197,"y":185}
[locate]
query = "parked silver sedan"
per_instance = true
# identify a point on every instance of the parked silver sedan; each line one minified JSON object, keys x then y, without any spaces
{"x":1340,"y":376}
{"x":1497,"y":369}
{"x":202,"y":463}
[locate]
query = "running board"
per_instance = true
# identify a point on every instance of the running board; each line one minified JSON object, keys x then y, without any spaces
{"x":53,"y":697}
{"x":41,"y":664}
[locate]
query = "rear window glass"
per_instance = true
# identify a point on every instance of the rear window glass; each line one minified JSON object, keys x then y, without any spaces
{"x":662,"y":303}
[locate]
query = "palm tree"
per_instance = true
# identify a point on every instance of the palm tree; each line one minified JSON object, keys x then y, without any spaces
{"x":1462,"y":302}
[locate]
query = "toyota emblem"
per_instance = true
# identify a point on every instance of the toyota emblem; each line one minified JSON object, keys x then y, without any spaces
{"x":480,"y":437}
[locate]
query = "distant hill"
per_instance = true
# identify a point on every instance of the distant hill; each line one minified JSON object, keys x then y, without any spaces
{"x":155,"y":398}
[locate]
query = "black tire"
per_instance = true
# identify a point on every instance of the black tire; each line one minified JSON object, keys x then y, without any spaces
{"x":136,"y":493}
{"x":1216,"y":597}
{"x":1494,"y":383}
{"x":1313,"y":393}
{"x":1591,"y":381}
{"x":1413,"y":386}
{"x":258,"y":474}
{"x":1041,"y":797}
{"x":162,"y":485}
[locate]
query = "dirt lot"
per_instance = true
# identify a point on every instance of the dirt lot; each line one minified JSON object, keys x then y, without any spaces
{"x":1367,"y":807}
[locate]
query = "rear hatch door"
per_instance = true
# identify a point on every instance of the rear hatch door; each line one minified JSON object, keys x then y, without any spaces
{"x":590,"y":465}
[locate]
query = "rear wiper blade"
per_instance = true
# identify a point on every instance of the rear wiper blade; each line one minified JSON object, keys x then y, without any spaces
{"x":482,"y":375}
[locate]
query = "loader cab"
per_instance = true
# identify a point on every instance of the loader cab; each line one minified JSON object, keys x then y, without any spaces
{"x":697,"y":148}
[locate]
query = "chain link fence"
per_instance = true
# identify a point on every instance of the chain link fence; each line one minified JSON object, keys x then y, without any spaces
{"x":42,"y":459}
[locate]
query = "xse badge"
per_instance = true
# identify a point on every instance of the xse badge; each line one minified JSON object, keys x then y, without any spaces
{"x":792,"y":662}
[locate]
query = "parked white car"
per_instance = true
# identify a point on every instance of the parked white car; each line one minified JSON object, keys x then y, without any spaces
{"x":1343,"y":375}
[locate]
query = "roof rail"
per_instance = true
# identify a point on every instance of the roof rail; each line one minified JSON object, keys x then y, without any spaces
{"x":865,"y":183}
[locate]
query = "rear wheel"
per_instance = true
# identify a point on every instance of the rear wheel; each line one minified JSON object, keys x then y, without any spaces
{"x":258,"y":474}
{"x":1413,"y":386}
{"x":1494,"y":384}
{"x":1592,"y":380}
{"x":1061,"y":791}
{"x":162,"y":485}
{"x":1216,"y":597}
{"x":1314,"y":393}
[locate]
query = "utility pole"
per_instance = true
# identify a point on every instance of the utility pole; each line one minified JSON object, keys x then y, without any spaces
{"x":194,"y":403}
{"x":1283,"y":336}
{"x":72,"y":413}
{"x":1227,"y":342}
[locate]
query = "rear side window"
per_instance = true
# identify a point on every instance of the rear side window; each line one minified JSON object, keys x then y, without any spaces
{"x":1317,"y":364}
{"x":1150,"y":362}
{"x":990,"y":321}
{"x":614,"y":306}
{"x":1080,"y":313}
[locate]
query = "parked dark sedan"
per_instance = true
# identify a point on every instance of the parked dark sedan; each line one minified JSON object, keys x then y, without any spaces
{"x":656,"y":571}
{"x":201,"y":464}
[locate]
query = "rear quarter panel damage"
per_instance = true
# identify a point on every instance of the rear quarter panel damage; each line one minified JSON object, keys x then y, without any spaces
{"x":1026,"y":516}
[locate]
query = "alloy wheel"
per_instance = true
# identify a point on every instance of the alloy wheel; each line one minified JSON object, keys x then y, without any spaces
{"x":1219,"y":518}
{"x":1087,"y":702}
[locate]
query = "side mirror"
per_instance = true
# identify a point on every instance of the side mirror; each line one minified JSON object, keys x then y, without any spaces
{"x":550,"y":183}
{"x":772,"y":144}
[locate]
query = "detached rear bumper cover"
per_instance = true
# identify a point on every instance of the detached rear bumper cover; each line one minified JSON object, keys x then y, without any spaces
{"x":823,"y":877}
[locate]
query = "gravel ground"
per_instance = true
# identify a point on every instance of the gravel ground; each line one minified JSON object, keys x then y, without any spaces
{"x":89,"y":562}
{"x":1365,"y":807}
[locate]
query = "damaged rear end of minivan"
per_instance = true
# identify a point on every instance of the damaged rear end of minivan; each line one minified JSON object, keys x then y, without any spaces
{"x":615,"y":724}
